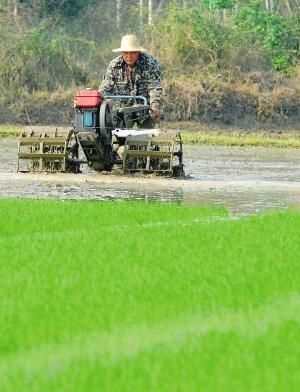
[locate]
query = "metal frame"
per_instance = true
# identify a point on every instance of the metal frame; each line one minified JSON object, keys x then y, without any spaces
{"x":153,"y":154}
{"x":48,"y":150}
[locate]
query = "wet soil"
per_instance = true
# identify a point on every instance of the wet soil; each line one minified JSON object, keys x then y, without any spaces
{"x":245,"y":180}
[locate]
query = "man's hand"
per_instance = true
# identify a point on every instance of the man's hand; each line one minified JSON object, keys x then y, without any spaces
{"x":155,"y":114}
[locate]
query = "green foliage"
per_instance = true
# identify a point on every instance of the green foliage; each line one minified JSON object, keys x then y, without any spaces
{"x":197,"y":40}
{"x":36,"y":59}
{"x":275,"y":36}
{"x":61,"y":43}
{"x":122,"y":296}
{"x":63,"y":8}
{"x":219,"y":4}
{"x":45,"y":50}
{"x":205,"y":38}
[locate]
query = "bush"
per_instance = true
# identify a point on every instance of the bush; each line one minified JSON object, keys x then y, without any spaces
{"x":274,"y":36}
{"x":205,"y":39}
{"x":197,"y":43}
{"x":34,"y":59}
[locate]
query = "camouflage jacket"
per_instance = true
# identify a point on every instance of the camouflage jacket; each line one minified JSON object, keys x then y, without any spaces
{"x":143,"y":79}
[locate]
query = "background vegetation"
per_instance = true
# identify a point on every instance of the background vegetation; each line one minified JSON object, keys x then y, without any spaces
{"x":222,"y":60}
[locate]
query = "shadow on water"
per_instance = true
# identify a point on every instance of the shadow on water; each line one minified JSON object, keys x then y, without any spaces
{"x":202,"y":164}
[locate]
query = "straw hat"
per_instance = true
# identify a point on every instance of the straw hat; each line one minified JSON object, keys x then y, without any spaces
{"x":130,"y":43}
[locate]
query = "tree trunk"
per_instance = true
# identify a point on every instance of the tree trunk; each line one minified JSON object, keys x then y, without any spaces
{"x":12,"y":7}
{"x":160,"y":5}
{"x":141,"y":14}
{"x":150,"y":9}
{"x":267,"y":5}
{"x":9,"y":8}
{"x":118,"y":13}
{"x":15,"y":11}
{"x":288,"y":7}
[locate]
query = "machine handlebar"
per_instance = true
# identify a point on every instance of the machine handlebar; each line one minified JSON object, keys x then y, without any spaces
{"x":135,"y":97}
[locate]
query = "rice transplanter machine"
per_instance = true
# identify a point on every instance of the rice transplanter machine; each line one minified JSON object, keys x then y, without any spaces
{"x":110,"y":132}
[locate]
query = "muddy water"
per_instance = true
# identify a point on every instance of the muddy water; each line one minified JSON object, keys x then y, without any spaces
{"x":246,"y":180}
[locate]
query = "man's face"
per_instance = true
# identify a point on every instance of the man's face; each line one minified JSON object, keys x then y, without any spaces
{"x":130,"y":58}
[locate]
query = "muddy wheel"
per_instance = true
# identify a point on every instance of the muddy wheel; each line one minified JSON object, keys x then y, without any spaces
{"x":178,"y":171}
{"x":101,"y":166}
{"x":108,"y":167}
{"x":106,"y":123}
{"x":98,"y":166}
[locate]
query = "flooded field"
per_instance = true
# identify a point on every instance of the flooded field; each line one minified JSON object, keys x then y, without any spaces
{"x":246,"y":180}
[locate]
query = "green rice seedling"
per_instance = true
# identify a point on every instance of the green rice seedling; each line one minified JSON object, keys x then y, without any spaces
{"x":9,"y":130}
{"x":131,"y":296}
{"x":221,"y":138}
{"x":232,"y":139}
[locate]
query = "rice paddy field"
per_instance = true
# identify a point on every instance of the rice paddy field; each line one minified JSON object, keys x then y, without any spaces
{"x":134,"y":296}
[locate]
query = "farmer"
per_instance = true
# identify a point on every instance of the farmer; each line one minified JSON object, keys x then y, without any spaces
{"x":134,"y":73}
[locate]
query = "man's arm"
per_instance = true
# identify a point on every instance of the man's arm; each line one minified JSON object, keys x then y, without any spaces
{"x":108,"y":83}
{"x":155,"y":89}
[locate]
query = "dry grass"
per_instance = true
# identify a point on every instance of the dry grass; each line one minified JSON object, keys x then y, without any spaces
{"x":252,"y":100}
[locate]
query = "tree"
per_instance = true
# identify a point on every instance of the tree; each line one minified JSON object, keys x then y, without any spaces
{"x":118,"y":13}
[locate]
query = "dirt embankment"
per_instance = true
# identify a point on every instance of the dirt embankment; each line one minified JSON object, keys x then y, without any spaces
{"x":253,"y":102}
{"x":38,"y":108}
